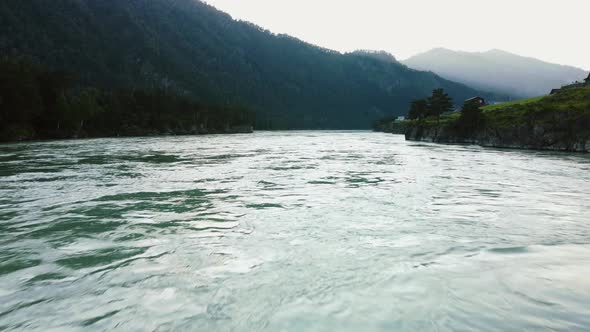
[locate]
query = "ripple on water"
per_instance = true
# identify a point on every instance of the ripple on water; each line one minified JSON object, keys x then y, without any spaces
{"x":15,"y":263}
{"x":100,"y":257}
{"x":264,"y":206}
{"x":107,"y":159}
{"x":510,"y":250}
{"x":291,"y":231}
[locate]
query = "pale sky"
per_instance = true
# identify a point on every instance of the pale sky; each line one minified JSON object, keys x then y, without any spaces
{"x":557,"y":31}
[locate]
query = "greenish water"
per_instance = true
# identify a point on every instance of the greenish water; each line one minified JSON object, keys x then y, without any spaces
{"x":292,"y":231}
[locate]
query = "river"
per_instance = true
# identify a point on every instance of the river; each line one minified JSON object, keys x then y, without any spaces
{"x":292,"y":231}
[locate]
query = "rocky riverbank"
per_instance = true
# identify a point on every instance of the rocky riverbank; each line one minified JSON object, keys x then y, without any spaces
{"x":537,"y":137}
{"x":559,"y":122}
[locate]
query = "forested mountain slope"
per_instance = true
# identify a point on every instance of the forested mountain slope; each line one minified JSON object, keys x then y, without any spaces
{"x":192,"y":49}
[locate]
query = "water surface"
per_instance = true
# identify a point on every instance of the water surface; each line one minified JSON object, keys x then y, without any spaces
{"x":292,"y":231}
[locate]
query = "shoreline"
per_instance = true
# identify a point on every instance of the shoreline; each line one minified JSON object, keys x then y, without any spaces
{"x":236,"y":131}
{"x":503,"y":139}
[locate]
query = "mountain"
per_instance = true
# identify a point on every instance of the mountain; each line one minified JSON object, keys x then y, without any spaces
{"x":497,"y":71}
{"x":194,"y":50}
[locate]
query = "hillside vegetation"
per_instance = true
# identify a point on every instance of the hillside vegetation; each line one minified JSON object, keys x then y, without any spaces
{"x":191,"y":49}
{"x":38,"y":103}
{"x":505,"y":105}
{"x":557,"y":122}
{"x":568,"y":105}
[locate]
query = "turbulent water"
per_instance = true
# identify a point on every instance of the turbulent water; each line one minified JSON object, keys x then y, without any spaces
{"x":292,"y":231}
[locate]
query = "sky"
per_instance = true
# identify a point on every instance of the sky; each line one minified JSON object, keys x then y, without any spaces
{"x":556,"y":31}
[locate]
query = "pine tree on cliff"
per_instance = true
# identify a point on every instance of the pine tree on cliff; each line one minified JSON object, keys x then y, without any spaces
{"x":471,"y":119}
{"x":439,"y":103}
{"x":418,"y":110}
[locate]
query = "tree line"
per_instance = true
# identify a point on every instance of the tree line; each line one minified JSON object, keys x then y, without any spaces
{"x":439,"y":103}
{"x":214,"y":59}
{"x":39,"y":103}
{"x":434,"y":106}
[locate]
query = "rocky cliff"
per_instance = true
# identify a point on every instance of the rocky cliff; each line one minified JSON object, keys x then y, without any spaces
{"x":538,"y":137}
{"x":560,"y":122}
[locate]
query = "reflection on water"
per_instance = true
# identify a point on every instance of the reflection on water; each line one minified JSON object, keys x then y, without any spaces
{"x":292,"y":231}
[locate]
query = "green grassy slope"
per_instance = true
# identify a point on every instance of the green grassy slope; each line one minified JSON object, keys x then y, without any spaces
{"x":512,"y":103}
{"x":572,"y":103}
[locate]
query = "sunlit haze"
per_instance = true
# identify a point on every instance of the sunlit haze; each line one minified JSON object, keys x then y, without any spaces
{"x":547,"y":30}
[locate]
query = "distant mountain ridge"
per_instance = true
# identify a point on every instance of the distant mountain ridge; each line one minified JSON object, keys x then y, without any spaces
{"x":192,"y":49}
{"x":497,"y":71}
{"x":379,"y":55}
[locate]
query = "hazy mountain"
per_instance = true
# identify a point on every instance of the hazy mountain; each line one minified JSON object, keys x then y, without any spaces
{"x":497,"y":71}
{"x":193,"y":49}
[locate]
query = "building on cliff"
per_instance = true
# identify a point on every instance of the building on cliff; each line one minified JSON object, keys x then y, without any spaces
{"x":479,"y":100}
